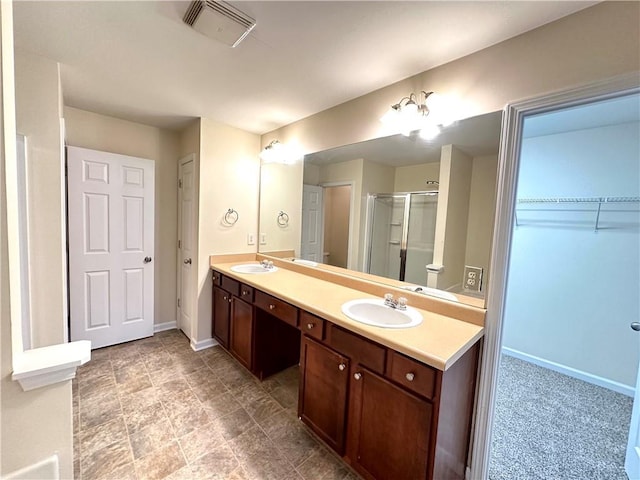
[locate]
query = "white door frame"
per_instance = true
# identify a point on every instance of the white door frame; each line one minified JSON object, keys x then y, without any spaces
{"x":351,"y":258}
{"x":508,"y":168}
{"x":189,"y":158}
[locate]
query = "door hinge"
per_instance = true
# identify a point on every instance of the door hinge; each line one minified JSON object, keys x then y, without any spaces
{"x":179,"y":243}
{"x":178,"y":302}
{"x":180,"y":183}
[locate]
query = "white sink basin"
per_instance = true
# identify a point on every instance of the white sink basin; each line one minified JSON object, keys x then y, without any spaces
{"x":252,"y":268}
{"x":374,"y":312}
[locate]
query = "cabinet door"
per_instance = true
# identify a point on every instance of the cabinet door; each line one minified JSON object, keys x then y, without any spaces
{"x":240,"y":343}
{"x":389,"y":429}
{"x":221,"y":310}
{"x":323,"y":392}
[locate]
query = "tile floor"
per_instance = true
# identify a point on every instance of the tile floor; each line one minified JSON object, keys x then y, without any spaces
{"x":155,"y":409}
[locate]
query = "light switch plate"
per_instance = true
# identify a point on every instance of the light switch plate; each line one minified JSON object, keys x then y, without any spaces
{"x":251,"y":239}
{"x":263,"y":239}
{"x":472,"y":281}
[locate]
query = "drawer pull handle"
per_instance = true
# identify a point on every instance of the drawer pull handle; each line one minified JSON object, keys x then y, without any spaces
{"x":272,"y":306}
{"x":244,"y":292}
{"x":410,"y":376}
{"x":310,"y":326}
{"x":341,"y":367}
{"x":357,"y":376}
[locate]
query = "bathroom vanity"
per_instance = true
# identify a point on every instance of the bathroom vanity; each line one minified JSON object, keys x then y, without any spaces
{"x":394,"y":403}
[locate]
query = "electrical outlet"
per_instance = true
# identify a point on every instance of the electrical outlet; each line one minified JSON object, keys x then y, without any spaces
{"x":472,"y":278}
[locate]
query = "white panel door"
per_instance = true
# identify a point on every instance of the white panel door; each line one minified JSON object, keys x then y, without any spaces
{"x":186,"y":246}
{"x":312,"y":223}
{"x":111,"y":242}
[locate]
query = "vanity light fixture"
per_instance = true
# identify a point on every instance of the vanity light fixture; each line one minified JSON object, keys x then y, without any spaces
{"x":277,"y":152}
{"x":416,"y":112}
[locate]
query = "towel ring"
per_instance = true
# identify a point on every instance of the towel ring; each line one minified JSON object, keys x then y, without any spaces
{"x":231,"y":217}
{"x":283,"y":219}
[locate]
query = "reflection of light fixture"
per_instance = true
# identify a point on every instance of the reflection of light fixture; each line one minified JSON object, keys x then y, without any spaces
{"x":411,"y":114}
{"x":273,"y":152}
{"x":277,"y":152}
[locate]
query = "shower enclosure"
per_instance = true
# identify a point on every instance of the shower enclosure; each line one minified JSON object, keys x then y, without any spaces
{"x":401,"y":235}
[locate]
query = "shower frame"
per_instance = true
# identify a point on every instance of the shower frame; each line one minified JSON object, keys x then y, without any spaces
{"x":404,"y":239}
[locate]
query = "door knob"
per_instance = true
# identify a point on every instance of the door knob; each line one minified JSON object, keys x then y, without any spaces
{"x":635,"y":326}
{"x":187,"y":261}
{"x":147,"y":259}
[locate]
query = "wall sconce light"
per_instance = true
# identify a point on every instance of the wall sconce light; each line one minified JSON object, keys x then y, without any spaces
{"x":277,"y":152}
{"x":416,"y":112}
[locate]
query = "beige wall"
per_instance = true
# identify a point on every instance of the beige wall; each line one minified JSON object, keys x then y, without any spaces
{"x":482,"y":209}
{"x":281,"y":190}
{"x":229,"y":176}
{"x":35,"y":424}
{"x":38,"y":118}
{"x":413,"y":178}
{"x":588,"y":46}
{"x":451,"y":218}
{"x":109,"y":134}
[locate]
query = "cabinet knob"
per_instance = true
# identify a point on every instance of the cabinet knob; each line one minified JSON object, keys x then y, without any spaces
{"x":225,"y":297}
{"x":244,"y":292}
{"x":410,"y":376}
{"x":230,"y":300}
{"x":272,"y":306}
{"x":357,"y":376}
{"x":310,"y":326}
{"x":341,"y":367}
{"x":635,"y":326}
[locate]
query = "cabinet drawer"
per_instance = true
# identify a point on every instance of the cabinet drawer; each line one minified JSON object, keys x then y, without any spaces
{"x":230,"y":285}
{"x":358,"y":349}
{"x":246,"y":293}
{"x":217,"y":278}
{"x":277,"y":308}
{"x":411,"y":374}
{"x":312,"y":325}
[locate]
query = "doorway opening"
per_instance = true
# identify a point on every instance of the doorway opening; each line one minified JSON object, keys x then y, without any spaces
{"x":337,"y":221}
{"x":569,"y":361}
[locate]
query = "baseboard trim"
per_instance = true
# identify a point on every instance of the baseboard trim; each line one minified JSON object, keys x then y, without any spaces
{"x":202,"y":344}
{"x":572,"y":372}
{"x":161,"y":327}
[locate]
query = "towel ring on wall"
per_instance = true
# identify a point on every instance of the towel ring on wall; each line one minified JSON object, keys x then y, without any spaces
{"x":283,"y":219}
{"x":231,"y":217}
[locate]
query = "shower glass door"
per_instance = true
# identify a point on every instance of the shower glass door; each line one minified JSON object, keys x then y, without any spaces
{"x":387,"y":234}
{"x":421,"y":236}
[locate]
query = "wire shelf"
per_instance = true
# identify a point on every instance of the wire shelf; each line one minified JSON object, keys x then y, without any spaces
{"x":548,"y":204}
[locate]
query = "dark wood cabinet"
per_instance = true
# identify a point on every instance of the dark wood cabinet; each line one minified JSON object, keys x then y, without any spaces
{"x":388,"y":415}
{"x":221,"y":315}
{"x":389,"y":429}
{"x":322,"y":400}
{"x":241,"y":332}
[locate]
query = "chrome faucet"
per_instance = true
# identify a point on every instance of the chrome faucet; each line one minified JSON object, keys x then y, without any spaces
{"x":399,"y":304}
{"x":268,"y":264}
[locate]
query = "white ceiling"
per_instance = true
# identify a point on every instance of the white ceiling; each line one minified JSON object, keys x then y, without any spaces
{"x":137,"y":60}
{"x":476,"y":136}
{"x":613,"y":111}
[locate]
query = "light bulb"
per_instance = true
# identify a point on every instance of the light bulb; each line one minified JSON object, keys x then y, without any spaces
{"x":429,"y":131}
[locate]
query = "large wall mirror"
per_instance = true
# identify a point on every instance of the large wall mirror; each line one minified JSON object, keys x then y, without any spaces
{"x":412,"y":212}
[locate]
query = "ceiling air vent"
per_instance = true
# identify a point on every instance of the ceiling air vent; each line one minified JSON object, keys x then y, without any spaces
{"x":219,"y":20}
